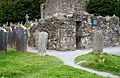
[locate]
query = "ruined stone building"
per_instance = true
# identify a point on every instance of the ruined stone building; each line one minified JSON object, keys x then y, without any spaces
{"x":69,"y":25}
{"x":52,"y":7}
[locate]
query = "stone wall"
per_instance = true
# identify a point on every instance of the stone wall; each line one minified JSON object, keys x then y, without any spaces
{"x":70,"y":27}
{"x":109,"y":26}
{"x":63,"y":6}
{"x":62,"y":32}
{"x":66,"y":33}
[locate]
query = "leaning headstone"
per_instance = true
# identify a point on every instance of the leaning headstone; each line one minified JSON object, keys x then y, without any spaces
{"x":98,"y":42}
{"x":3,"y":40}
{"x":42,"y":43}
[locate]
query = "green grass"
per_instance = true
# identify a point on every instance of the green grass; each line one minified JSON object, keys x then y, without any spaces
{"x":111,"y":63}
{"x":30,"y":65}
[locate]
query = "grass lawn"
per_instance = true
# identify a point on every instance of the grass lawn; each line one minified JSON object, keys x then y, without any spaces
{"x":111,"y":63}
{"x":30,"y":65}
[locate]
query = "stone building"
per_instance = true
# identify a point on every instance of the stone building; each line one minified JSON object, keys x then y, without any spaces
{"x":70,"y":27}
{"x":62,"y":6}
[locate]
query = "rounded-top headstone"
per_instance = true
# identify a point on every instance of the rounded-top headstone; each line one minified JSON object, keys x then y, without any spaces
{"x":98,"y":41}
{"x":42,"y":42}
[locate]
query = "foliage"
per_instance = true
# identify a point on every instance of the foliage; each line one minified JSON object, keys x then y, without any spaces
{"x":103,"y":7}
{"x":111,"y":64}
{"x":15,"y":10}
{"x":30,"y":65}
{"x":118,"y":9}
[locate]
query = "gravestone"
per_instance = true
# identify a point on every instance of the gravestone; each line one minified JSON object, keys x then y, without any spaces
{"x":35,"y":35}
{"x":11,"y":37}
{"x":21,"y":39}
{"x":42,"y":43}
{"x":3,"y":40}
{"x":98,"y":42}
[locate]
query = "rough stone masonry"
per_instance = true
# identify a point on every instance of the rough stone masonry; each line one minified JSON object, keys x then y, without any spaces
{"x":69,"y":25}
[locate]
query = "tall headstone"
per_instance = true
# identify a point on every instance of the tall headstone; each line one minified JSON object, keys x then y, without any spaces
{"x":98,"y":41}
{"x":3,"y":40}
{"x":21,"y":39}
{"x":42,"y":42}
{"x":11,"y":37}
{"x":36,"y":36}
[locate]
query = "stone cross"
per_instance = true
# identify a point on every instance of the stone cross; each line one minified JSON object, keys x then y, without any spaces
{"x":27,"y":21}
{"x":42,"y":43}
{"x":11,"y":24}
{"x":98,"y":42}
{"x":7,"y":24}
{"x":42,"y":9}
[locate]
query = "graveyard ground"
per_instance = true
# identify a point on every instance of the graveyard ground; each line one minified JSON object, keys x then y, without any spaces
{"x":30,"y":65}
{"x":91,"y":60}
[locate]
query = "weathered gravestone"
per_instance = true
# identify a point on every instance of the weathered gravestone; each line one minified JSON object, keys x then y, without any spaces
{"x":36,"y":36}
{"x":98,"y":42}
{"x":11,"y":37}
{"x":42,"y":43}
{"x":3,"y":40}
{"x":21,"y":39}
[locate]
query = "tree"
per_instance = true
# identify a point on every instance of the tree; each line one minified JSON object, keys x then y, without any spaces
{"x":102,"y":7}
{"x":15,"y":10}
{"x":118,"y":8}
